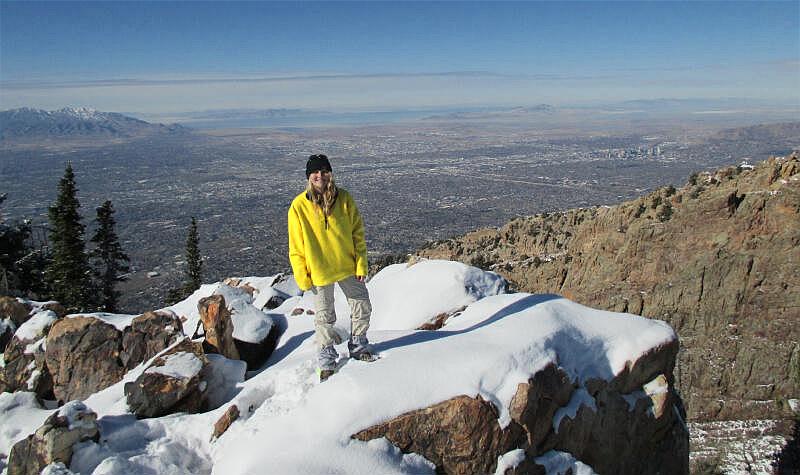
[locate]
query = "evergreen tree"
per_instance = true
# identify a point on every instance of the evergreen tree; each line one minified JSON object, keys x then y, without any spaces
{"x":108,"y":258}
{"x":23,"y":256}
{"x":68,"y":274}
{"x":194,"y":263}
{"x":194,"y":267}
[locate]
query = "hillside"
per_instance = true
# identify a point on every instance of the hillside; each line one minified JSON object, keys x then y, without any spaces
{"x":26,"y":124}
{"x":718,"y":259}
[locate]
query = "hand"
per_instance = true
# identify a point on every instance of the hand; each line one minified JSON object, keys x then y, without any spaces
{"x":361,"y":278}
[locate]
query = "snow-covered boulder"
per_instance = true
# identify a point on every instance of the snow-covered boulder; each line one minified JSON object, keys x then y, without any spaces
{"x":174,"y":382}
{"x":54,"y":440}
{"x":235,"y":328}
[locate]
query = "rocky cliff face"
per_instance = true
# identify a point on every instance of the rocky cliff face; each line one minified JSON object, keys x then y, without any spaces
{"x":718,"y":259}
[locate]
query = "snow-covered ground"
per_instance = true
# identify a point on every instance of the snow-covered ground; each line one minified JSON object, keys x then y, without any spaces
{"x":737,"y":447}
{"x":291,"y":423}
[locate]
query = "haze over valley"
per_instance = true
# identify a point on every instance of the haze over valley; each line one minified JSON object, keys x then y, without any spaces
{"x":415,"y":180}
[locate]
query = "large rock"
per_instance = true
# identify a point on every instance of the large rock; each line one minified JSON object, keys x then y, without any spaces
{"x":716,"y":259}
{"x":175,"y":382}
{"x":149,"y":334}
{"x":86,"y":354}
{"x":236,"y":329}
{"x":54,"y":440}
{"x":218,"y":326}
{"x":25,"y":366}
{"x":460,"y":435}
{"x":537,"y":400}
{"x":83,"y":354}
{"x":634,"y":433}
{"x":255,"y":354}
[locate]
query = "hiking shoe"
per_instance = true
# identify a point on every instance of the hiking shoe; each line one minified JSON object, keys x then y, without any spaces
{"x":325,"y":374}
{"x":365,"y":356}
{"x":360,"y":348}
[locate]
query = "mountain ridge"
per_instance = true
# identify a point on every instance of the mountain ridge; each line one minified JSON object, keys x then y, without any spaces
{"x":76,"y":122}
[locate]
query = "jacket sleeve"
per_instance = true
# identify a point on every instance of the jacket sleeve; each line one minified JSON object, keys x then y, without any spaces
{"x":297,"y":255}
{"x":359,"y":242}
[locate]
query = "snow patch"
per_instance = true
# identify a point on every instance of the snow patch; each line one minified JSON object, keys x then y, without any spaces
{"x":21,"y":415}
{"x":57,"y":468}
{"x":35,"y":326}
{"x":509,"y":460}
{"x":73,"y":413}
{"x":580,"y":397}
{"x":36,"y":347}
{"x":119,"y":321}
{"x":407,"y":296}
{"x":182,"y":365}
{"x":560,"y":463}
{"x":249,"y":323}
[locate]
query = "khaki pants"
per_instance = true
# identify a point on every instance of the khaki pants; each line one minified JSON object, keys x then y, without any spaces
{"x":360,"y":310}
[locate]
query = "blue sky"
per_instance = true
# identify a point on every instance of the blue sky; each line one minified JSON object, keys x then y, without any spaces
{"x":162,"y":57}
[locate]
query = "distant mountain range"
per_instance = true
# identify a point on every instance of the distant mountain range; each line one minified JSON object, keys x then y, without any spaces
{"x":27,"y":123}
{"x":496,"y":112}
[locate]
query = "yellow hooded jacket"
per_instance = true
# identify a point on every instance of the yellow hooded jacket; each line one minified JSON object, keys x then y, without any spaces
{"x":323,"y":251}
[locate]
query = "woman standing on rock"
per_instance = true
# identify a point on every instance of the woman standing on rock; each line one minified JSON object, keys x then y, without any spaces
{"x":327,"y":247}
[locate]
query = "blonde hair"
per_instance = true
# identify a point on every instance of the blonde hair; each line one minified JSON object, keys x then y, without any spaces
{"x":324,"y":200}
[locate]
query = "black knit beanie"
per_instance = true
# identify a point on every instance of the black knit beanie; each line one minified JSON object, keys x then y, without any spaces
{"x":317,"y":162}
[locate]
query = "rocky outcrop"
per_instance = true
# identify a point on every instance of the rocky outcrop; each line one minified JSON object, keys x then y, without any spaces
{"x":716,"y":259}
{"x":218,"y":326}
{"x":460,"y":435}
{"x":174,"y":382}
{"x":25,"y":366}
{"x":632,"y":424}
{"x":54,"y":440}
{"x":85,"y":354}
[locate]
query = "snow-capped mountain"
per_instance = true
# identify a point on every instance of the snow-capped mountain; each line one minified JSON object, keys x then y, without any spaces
{"x":76,"y":122}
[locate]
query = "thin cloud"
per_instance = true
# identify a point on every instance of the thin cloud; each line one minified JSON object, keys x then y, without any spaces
{"x":41,"y":84}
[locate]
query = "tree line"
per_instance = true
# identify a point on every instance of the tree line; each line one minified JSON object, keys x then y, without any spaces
{"x":58,"y":266}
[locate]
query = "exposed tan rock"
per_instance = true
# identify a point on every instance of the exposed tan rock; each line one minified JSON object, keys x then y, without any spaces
{"x":224,"y":422}
{"x":719,"y":264}
{"x":460,"y":435}
{"x":536,"y":401}
{"x":218,"y":326}
{"x":148,"y":334}
{"x":440,"y":320}
{"x":83,"y":357}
